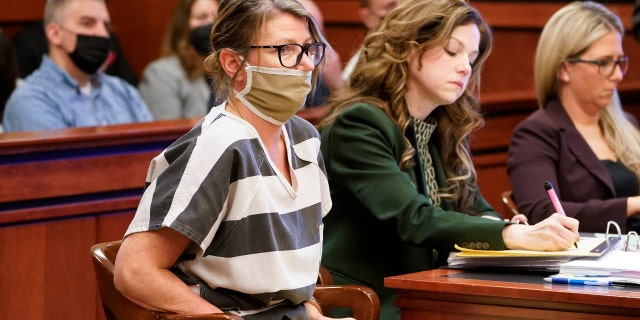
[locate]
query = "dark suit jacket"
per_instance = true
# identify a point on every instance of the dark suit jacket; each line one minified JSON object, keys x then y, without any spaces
{"x":547,"y":146}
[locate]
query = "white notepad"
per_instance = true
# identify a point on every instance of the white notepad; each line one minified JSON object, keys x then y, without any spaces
{"x":614,"y":263}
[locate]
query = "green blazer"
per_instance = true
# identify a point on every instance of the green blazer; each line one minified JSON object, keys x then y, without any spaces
{"x":382,"y":222}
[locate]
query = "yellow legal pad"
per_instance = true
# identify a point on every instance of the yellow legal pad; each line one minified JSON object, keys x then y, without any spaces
{"x":587,"y":247}
{"x":529,"y":259}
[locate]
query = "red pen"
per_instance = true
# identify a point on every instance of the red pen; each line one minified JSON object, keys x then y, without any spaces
{"x":554,"y":199}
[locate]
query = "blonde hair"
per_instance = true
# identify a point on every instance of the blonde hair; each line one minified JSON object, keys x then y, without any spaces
{"x":380,"y":78}
{"x":569,"y":33}
{"x":239,"y":23}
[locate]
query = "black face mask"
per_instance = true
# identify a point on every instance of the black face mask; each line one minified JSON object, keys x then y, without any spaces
{"x":90,"y":52}
{"x":199,"y":39}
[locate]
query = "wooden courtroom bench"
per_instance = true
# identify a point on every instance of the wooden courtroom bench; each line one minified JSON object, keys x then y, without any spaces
{"x":507,"y":91}
{"x":63,"y":191}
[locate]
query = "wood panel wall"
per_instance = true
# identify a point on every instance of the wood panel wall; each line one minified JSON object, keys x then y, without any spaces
{"x":61,"y":193}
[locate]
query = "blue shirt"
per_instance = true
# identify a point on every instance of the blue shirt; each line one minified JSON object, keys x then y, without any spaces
{"x":51,"y":99}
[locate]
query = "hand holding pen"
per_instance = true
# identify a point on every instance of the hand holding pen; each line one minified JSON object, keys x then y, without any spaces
{"x":551,"y":234}
{"x":555,"y":201}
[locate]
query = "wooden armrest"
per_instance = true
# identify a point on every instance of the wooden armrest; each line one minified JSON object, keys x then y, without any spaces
{"x":363,"y":301}
{"x":324,"y":277}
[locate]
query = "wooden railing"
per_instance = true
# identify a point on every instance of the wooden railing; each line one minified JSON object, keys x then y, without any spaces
{"x":63,"y":191}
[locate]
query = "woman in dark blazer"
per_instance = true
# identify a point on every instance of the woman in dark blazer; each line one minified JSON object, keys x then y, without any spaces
{"x":579,"y":139}
{"x":396,"y":149}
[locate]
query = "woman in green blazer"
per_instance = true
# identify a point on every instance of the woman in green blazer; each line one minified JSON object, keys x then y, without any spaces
{"x":396,"y":148}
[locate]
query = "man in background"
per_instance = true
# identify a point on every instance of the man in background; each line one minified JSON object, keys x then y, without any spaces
{"x":330,"y":79}
{"x":31,"y":43}
{"x":68,"y":90}
{"x":371,"y":12}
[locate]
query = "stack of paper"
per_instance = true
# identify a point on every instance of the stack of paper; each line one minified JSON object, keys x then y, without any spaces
{"x":528,"y":259}
{"x":614,"y":263}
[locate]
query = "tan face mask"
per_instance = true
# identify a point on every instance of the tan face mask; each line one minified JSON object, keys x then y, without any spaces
{"x":275,"y":94}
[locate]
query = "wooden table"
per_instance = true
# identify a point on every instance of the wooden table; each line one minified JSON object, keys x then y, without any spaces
{"x":456,"y":294}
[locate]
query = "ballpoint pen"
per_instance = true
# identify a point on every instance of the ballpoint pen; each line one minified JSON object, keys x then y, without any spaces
{"x":555,"y":201}
{"x":582,"y":281}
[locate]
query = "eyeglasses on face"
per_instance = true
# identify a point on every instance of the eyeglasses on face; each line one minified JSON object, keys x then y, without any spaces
{"x":607,"y":67}
{"x":291,"y":54}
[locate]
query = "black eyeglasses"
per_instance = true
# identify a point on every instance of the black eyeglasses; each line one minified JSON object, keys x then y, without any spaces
{"x":607,"y":67}
{"x":291,"y":54}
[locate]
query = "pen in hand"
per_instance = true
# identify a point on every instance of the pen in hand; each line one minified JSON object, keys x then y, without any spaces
{"x":555,"y":201}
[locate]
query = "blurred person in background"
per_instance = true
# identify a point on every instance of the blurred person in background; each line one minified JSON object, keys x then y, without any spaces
{"x":330,"y":79}
{"x":68,"y":89}
{"x":371,"y":12}
{"x":8,"y":72}
{"x":175,"y":85}
{"x":580,"y":138}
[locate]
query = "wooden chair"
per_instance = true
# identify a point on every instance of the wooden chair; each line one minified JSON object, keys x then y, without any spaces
{"x":324,"y":277}
{"x":361,"y":300}
{"x":510,"y":205}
